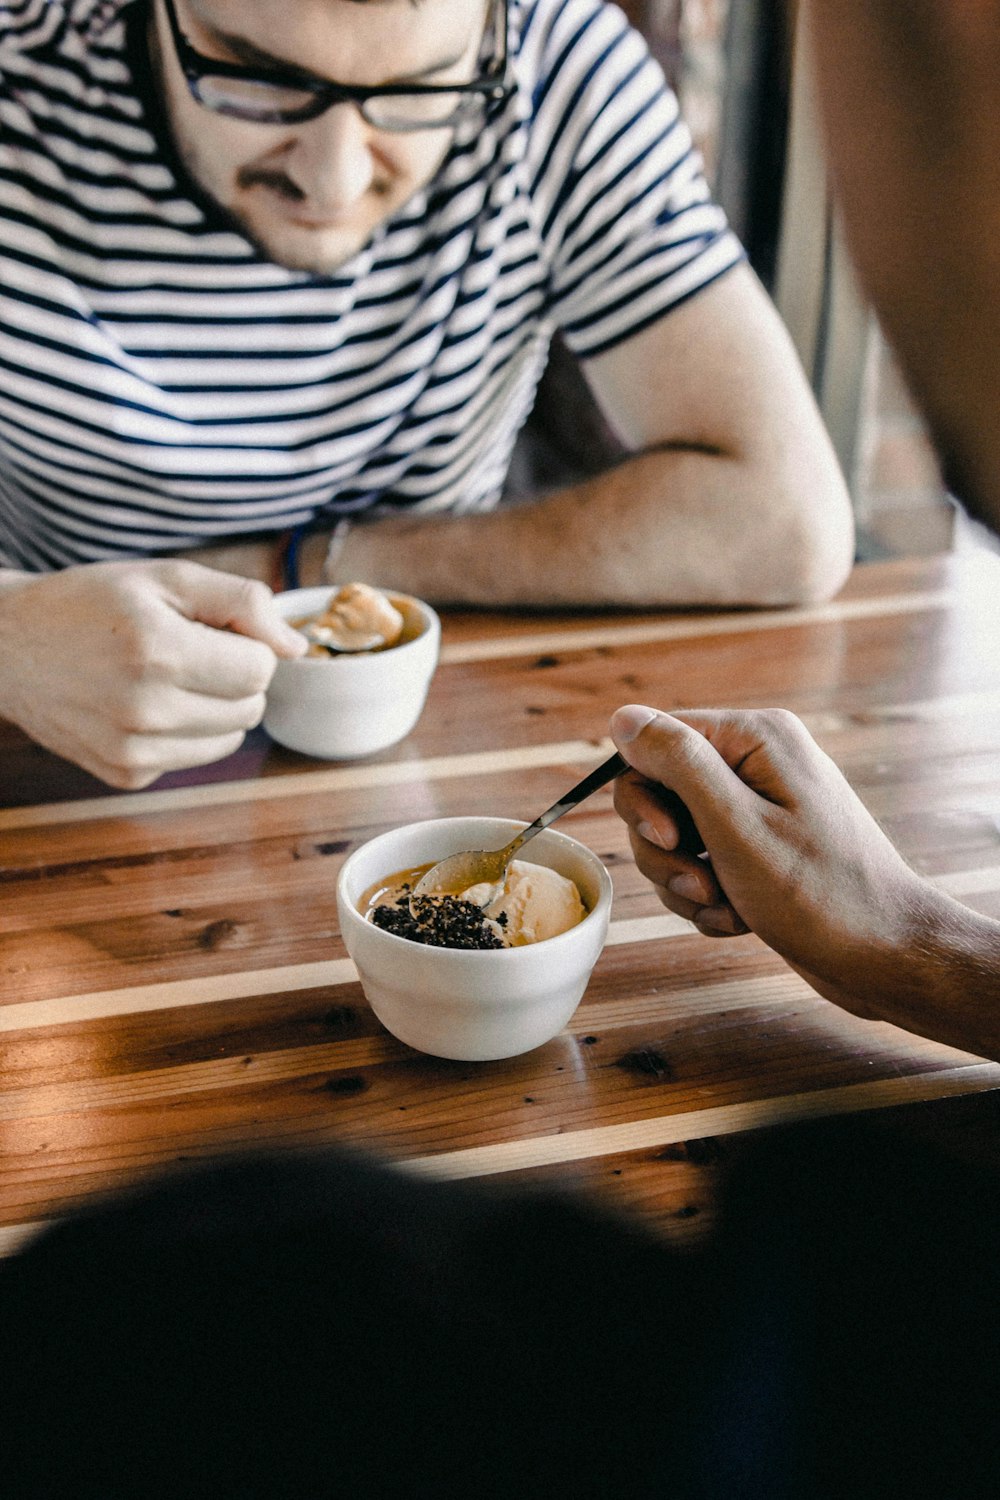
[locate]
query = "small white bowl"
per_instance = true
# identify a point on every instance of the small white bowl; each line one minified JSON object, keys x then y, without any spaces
{"x":472,"y":1004}
{"x":344,"y":707}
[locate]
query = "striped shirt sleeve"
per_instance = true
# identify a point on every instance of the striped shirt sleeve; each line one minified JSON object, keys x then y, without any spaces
{"x":624,"y":211}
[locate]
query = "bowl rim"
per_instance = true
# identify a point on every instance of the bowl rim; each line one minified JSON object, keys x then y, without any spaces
{"x":494,"y":955}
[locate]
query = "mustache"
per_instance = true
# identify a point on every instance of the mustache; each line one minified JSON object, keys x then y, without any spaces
{"x":278,"y":182}
{"x":269,"y":177}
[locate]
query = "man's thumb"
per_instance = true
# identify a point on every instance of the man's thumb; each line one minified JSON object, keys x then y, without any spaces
{"x":665,"y":750}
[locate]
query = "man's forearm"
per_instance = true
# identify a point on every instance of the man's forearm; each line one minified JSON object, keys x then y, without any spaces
{"x":673,"y":527}
{"x":254,"y":558}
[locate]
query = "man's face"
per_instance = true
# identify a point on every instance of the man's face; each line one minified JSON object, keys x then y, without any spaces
{"x":309,"y":195}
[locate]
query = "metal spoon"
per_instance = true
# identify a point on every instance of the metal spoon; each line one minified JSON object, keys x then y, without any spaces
{"x":335,"y":648}
{"x":475,"y":866}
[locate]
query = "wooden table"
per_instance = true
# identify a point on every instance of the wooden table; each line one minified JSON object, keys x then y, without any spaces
{"x":174,"y":983}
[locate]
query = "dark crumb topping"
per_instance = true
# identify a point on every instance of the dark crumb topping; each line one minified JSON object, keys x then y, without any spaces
{"x":440,"y":922}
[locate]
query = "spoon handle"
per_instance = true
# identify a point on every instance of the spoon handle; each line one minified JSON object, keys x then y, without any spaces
{"x":605,"y":772}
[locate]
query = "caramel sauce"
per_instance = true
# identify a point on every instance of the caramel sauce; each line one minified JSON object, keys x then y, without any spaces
{"x":389,"y":889}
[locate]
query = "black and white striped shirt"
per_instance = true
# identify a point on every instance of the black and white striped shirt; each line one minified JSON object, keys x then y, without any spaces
{"x":162,"y":385}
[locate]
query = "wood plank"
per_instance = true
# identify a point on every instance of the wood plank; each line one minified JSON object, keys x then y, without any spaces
{"x":639,"y":1050}
{"x":211,"y":989}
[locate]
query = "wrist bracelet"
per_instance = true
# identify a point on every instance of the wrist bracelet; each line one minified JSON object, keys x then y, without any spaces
{"x":338,"y":537}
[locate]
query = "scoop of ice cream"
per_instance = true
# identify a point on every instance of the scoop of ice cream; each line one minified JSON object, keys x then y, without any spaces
{"x":536,"y":903}
{"x":356,"y":613}
{"x":539,"y":903}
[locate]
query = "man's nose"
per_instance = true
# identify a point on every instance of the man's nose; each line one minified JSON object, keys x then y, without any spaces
{"x":330,"y":161}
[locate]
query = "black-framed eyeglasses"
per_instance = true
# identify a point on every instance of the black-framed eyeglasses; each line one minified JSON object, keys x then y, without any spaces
{"x":286,"y":97}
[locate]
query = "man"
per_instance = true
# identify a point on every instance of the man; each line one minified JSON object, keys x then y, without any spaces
{"x":793,"y":855}
{"x":280,"y":267}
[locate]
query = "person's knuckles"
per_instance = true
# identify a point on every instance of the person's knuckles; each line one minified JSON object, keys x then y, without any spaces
{"x":251,"y":600}
{"x":171,"y":713}
{"x":789,"y":747}
{"x":143,"y":648}
{"x":180,"y":577}
{"x":260,"y":664}
{"x":782,"y":727}
{"x":251,"y":711}
{"x":247,"y":605}
{"x":223,"y":600}
{"x":235,"y":666}
{"x":151,"y":708}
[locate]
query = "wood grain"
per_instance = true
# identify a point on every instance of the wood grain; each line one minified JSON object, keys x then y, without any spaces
{"x":173,"y":984}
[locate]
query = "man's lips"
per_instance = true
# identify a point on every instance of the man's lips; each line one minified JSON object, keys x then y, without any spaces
{"x":321,"y":221}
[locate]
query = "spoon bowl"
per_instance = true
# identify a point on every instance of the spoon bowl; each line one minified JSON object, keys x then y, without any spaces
{"x":456,"y":873}
{"x":320,"y":636}
{"x":471,"y":867}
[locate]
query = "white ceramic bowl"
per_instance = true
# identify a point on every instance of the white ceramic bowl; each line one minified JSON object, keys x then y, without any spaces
{"x":472,"y":1004}
{"x":343,"y":707}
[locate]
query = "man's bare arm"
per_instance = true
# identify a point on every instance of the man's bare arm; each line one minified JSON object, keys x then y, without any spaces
{"x":733,"y":495}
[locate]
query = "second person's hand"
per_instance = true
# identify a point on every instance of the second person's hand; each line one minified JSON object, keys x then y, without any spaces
{"x":133,"y":669}
{"x":742,"y":823}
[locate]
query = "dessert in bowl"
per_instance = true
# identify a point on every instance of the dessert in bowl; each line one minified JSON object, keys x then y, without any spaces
{"x":363,"y":683}
{"x":472,"y":999}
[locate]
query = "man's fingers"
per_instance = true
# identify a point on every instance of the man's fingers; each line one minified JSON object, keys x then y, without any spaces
{"x":659,"y":814}
{"x":178,"y":713}
{"x":682,"y":875}
{"x":227,"y":602}
{"x":134,"y":763}
{"x":222,"y":665}
{"x":719,"y":921}
{"x":720,"y":762}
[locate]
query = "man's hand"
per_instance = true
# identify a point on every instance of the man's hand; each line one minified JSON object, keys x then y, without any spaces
{"x":742,"y":823}
{"x":134,"y":669}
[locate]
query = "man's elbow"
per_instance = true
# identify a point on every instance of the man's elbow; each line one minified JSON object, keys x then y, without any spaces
{"x":825,"y":560}
{"x":816,"y":547}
